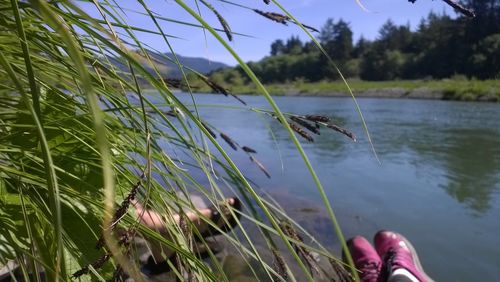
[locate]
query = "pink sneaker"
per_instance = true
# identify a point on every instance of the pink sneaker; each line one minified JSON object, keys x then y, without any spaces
{"x":397,"y":252}
{"x":365,"y":258}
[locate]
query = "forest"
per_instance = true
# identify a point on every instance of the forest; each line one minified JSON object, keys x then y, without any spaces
{"x":441,"y":46}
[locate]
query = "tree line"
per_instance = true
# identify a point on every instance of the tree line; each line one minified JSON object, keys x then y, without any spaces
{"x":440,"y":47}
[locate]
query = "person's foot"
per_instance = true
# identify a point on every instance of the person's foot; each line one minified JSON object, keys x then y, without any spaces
{"x":223,"y":217}
{"x":398,"y":254}
{"x":366,"y":260}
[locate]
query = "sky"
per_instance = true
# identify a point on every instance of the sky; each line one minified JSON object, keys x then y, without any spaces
{"x":260,"y":32}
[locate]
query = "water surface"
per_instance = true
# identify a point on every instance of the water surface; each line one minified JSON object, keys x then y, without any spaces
{"x":438,"y":182}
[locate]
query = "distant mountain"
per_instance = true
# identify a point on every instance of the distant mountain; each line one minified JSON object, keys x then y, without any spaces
{"x":168,"y":68}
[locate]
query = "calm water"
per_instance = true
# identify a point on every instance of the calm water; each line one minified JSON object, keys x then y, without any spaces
{"x":438,"y":182}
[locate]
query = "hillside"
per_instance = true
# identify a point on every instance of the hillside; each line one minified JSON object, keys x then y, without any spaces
{"x":202,"y":65}
{"x":168,"y":68}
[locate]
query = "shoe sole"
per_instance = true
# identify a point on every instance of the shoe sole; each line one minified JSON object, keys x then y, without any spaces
{"x":415,"y":258}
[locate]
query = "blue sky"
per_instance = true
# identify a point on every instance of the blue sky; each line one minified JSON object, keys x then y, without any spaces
{"x":262,"y":30}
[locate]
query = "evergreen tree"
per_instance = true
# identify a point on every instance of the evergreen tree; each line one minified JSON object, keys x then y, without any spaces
{"x":277,"y":47}
{"x":361,"y":47}
{"x":293,"y":46}
{"x":336,"y":38}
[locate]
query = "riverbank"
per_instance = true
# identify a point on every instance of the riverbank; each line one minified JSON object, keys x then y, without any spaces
{"x":447,"y":89}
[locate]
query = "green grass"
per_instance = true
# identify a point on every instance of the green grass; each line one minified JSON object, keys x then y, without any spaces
{"x":79,"y":137}
{"x":447,"y":89}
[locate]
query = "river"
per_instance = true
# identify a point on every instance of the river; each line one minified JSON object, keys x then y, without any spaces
{"x":438,"y":180}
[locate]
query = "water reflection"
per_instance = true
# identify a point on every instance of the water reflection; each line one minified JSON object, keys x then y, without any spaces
{"x":469,"y":160}
{"x":472,"y":162}
{"x":454,"y":145}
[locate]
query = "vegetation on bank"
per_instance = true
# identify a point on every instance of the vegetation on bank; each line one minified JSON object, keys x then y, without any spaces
{"x":457,"y":88}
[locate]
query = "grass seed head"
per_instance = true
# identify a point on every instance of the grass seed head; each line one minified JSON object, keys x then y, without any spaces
{"x":305,"y":124}
{"x":301,"y":131}
{"x":261,"y":166}
{"x":229,"y":141}
{"x":341,"y":274}
{"x":317,"y":118}
{"x":299,"y":249}
{"x":209,"y":130}
{"x":213,"y":85}
{"x":224,"y":25}
{"x":122,"y":210}
{"x":248,"y":149}
{"x":342,"y":130}
{"x":97,"y":264}
{"x":279,"y":18}
{"x":173,"y":82}
{"x":279,"y":264}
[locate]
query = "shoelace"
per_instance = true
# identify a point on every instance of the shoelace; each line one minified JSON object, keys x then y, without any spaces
{"x":394,"y":258}
{"x":390,"y":259}
{"x":370,"y":270}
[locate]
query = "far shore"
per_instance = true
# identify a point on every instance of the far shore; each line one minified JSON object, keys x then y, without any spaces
{"x":393,"y":93}
{"x":446,"y":89}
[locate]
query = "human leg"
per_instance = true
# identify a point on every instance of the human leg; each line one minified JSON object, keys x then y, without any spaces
{"x":223,"y":216}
